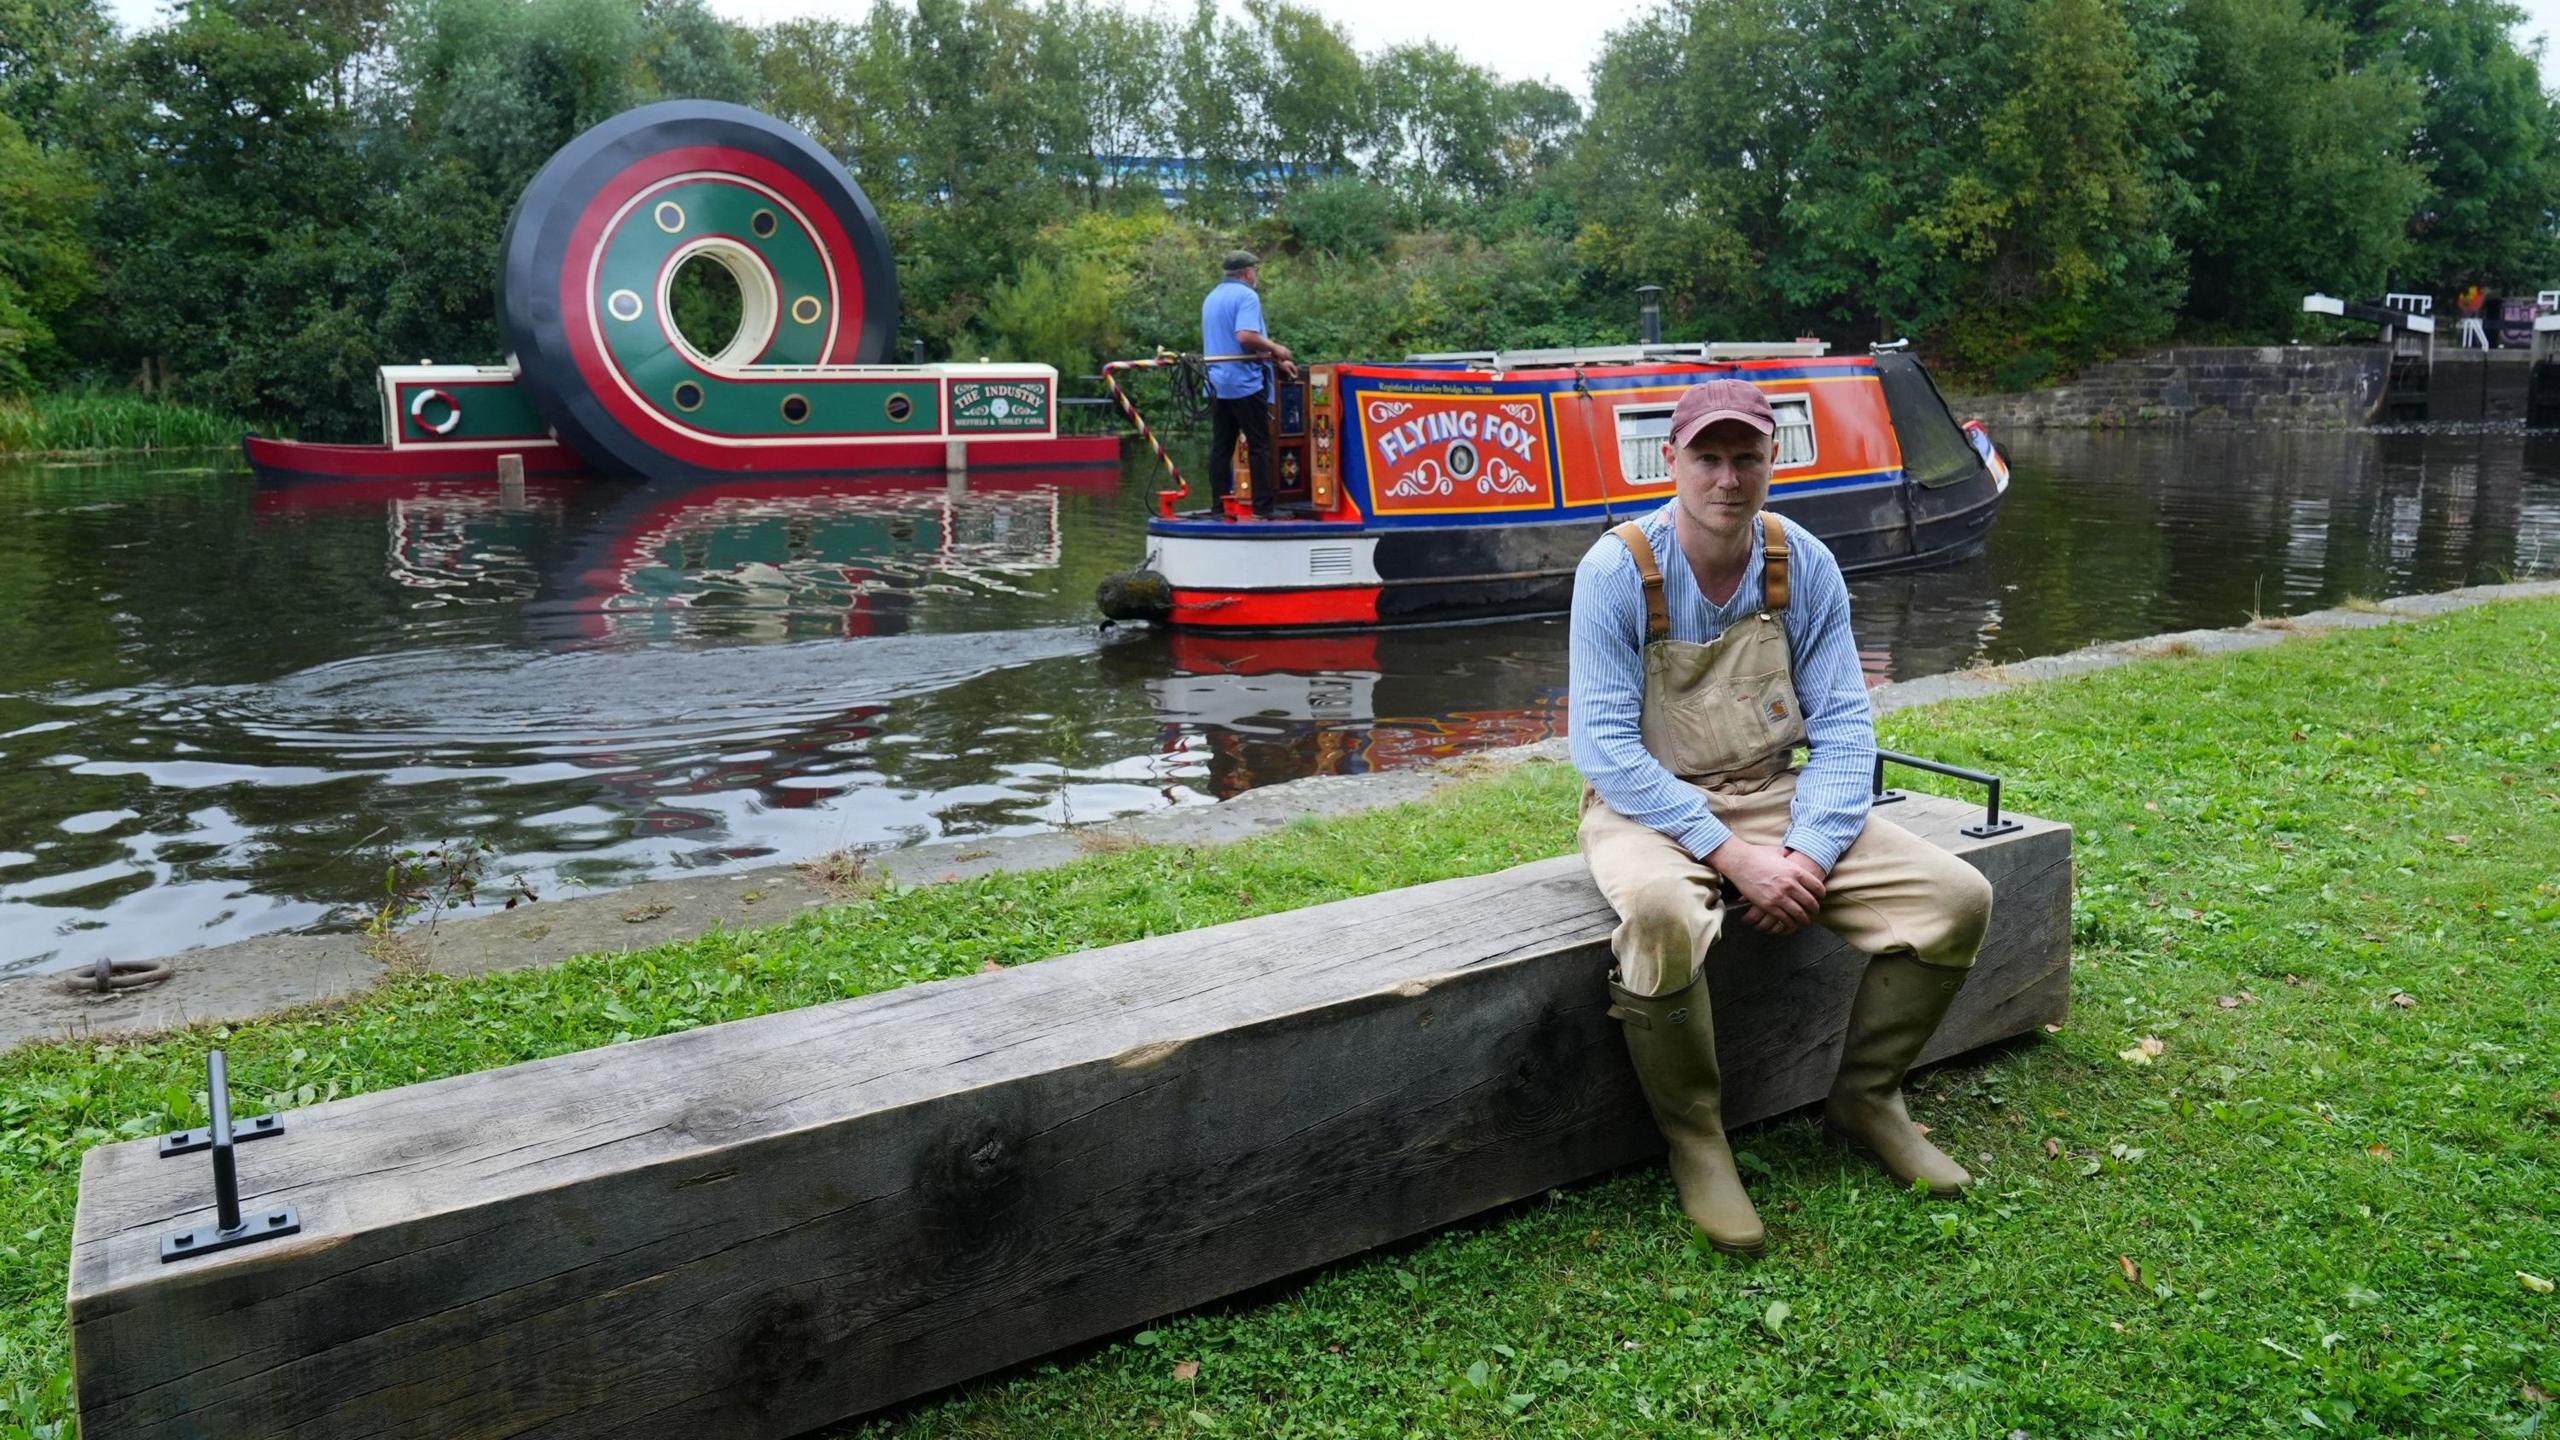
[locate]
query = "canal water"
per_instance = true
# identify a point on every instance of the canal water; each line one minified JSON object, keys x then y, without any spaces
{"x":222,"y":710}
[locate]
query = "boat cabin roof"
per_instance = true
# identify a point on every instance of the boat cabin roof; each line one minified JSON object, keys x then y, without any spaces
{"x":1695,"y":352}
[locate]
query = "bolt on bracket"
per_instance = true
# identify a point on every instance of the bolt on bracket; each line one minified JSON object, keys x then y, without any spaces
{"x":230,"y":1228}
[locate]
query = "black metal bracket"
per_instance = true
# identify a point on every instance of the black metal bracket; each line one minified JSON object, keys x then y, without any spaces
{"x":230,"y":1228}
{"x":1991,"y":824}
{"x":188,"y":1142}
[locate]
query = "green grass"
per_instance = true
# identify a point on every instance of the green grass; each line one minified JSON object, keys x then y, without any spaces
{"x":74,"y":422}
{"x":2324,"y":1189}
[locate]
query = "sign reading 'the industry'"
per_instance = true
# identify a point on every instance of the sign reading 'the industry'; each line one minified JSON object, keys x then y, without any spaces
{"x":999,"y":405}
{"x":1441,"y":454}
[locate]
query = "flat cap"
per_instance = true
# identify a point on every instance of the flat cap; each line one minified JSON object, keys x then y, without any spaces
{"x":1238,"y":260}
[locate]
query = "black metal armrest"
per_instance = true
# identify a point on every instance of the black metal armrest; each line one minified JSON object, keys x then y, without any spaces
{"x":1991,"y":824}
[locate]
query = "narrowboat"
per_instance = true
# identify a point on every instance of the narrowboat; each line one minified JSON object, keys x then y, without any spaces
{"x":601,"y":379}
{"x":1465,"y":487}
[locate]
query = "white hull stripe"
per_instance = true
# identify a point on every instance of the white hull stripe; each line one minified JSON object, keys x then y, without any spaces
{"x":1246,"y":563}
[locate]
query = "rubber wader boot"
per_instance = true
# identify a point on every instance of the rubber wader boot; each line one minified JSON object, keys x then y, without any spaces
{"x":1672,"y":1040}
{"x":1899,"y":1005}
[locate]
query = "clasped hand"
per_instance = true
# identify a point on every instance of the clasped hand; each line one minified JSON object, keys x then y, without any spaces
{"x":1781,"y":890}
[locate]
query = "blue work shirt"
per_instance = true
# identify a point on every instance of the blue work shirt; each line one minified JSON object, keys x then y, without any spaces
{"x":1231,"y":307}
{"x":1606,"y":702}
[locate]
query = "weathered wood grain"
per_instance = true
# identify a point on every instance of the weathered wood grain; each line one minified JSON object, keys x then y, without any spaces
{"x":753,"y":1229}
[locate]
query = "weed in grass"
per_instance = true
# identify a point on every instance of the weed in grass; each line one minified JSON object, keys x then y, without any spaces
{"x":844,"y":875}
{"x":2259,"y":619}
{"x":1103,"y":839}
{"x":433,"y":882}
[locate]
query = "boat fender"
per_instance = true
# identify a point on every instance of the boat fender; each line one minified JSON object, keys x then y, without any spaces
{"x":1134,"y":595}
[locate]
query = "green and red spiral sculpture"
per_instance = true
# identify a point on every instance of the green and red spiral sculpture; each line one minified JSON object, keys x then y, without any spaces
{"x":601,"y":376}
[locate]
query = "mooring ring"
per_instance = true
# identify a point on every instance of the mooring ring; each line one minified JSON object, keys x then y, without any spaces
{"x":106,"y":976}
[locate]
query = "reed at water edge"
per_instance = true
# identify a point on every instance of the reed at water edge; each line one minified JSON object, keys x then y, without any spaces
{"x":74,"y":421}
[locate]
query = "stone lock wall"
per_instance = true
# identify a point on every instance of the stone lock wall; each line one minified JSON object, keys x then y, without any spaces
{"x":2234,"y":387}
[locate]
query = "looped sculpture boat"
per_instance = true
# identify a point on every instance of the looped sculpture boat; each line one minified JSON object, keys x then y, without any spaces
{"x":1467,"y":487}
{"x":601,"y":380}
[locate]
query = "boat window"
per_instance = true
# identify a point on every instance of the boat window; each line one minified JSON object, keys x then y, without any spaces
{"x":1642,"y":429}
{"x":1795,"y":431}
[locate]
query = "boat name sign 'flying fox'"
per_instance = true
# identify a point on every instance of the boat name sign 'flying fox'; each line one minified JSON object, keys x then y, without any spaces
{"x":1441,"y":426}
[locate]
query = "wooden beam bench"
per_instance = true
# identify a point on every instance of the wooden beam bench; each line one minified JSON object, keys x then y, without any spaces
{"x":756,"y":1228}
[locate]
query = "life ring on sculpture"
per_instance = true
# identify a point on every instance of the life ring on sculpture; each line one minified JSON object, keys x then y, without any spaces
{"x":418,"y":411}
{"x":588,"y":268}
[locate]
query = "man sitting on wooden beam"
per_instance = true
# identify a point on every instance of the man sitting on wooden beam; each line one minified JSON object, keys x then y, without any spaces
{"x":1709,"y":640}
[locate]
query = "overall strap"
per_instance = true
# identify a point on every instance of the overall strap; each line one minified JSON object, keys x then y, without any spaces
{"x":1773,"y":562}
{"x":1657,"y":611}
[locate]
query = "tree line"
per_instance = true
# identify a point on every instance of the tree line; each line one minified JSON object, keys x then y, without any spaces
{"x":254,"y":202}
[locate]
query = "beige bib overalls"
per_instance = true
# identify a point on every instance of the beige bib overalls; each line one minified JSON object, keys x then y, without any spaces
{"x":1723,"y":716}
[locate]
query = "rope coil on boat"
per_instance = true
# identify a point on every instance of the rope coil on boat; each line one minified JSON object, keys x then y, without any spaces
{"x":106,"y":976}
{"x":1190,"y":390}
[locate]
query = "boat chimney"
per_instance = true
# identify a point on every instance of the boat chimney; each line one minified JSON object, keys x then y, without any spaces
{"x":1649,"y":313}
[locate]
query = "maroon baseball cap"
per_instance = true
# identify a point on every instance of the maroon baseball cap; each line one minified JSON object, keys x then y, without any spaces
{"x":1707,"y":402}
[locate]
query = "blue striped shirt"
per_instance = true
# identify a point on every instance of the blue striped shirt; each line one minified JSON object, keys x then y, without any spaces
{"x":1607,"y":696}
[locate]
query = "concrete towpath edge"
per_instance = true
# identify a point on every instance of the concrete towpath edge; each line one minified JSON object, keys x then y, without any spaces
{"x":267,"y":974}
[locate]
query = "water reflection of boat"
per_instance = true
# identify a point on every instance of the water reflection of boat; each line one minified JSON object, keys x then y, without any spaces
{"x":772,"y":558}
{"x":1267,"y":708}
{"x":1468,"y":487}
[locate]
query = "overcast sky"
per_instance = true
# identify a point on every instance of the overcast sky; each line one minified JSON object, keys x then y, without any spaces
{"x":1514,"y":38}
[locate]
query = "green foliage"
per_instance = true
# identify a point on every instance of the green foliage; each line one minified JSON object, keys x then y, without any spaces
{"x":2027,"y":184}
{"x":1344,"y":216}
{"x":1697,"y":116}
{"x":2293,"y":195}
{"x":1058,"y":313}
{"x":434,"y":882}
{"x":44,"y":260}
{"x":1990,"y":176}
{"x":50,"y":50}
{"x":2071,"y":201}
{"x":706,"y":304}
{"x":1317,"y":108}
{"x":2488,"y":137}
{"x":1451,"y":134}
{"x":1437,"y":291}
{"x":2315,"y":876}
